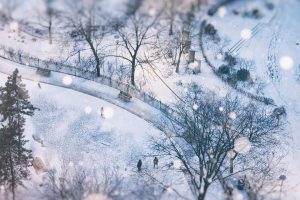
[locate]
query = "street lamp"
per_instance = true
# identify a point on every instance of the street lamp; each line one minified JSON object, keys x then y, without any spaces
{"x":281,"y":178}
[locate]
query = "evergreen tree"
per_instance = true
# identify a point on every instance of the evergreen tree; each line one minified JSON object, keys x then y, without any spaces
{"x":15,"y":158}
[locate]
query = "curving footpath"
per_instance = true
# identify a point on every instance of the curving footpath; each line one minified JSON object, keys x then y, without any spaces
{"x":136,"y":106}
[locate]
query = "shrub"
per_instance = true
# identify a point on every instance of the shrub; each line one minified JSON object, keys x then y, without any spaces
{"x":243,"y":74}
{"x":232,"y":80}
{"x":270,"y":6}
{"x":230,"y":59}
{"x":210,"y":29}
{"x":254,"y":13}
{"x":224,"y":69}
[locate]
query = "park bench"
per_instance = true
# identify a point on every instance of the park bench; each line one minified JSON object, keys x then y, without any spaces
{"x":125,"y":96}
{"x":43,"y":72}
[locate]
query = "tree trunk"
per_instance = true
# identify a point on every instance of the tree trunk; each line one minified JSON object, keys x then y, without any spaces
{"x":171,"y":26}
{"x":98,"y":66}
{"x":13,"y":184}
{"x":231,"y":165}
{"x":95,"y":56}
{"x":201,"y":196}
{"x":172,"y":18}
{"x":50,"y":32}
{"x":132,"y":75}
{"x":178,"y":62}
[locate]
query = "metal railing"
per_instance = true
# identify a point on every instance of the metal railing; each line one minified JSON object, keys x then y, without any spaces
{"x":51,"y":65}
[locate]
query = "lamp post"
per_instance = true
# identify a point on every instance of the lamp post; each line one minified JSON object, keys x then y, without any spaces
{"x":282,"y":178}
{"x":117,"y":45}
{"x":78,"y":49}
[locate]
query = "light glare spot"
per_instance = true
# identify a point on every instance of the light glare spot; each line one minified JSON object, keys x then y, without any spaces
{"x":246,"y":34}
{"x":87,"y":109}
{"x":177,"y":164}
{"x":230,"y":154}
{"x":14,"y":26}
{"x":209,"y":180}
{"x":219,"y":56}
{"x":169,"y":190}
{"x":195,"y":106}
{"x":67,"y":80}
{"x":71,"y":164}
{"x":108,"y":112}
{"x":223,"y":93}
{"x":232,"y":115}
{"x":286,"y":62}
{"x":222,"y":11}
{"x":97,"y":197}
{"x":242,"y":145}
{"x":193,"y":65}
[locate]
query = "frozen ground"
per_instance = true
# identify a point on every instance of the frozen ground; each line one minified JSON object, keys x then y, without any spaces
{"x":74,"y":132}
{"x":69,"y":120}
{"x":274,"y":49}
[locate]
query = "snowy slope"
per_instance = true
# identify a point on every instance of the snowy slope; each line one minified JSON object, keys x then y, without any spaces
{"x":273,"y":48}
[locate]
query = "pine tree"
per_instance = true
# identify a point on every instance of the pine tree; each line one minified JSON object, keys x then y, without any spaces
{"x":15,"y":158}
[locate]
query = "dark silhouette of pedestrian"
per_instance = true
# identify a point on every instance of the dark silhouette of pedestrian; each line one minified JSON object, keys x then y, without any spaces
{"x":102,"y":112}
{"x":39,"y":85}
{"x":139,"y":165}
{"x":155,"y":162}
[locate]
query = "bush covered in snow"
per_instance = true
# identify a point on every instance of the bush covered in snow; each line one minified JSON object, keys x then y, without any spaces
{"x":210,"y":30}
{"x":254,"y":13}
{"x":243,"y":75}
{"x":224,"y":69}
{"x":230,"y":59}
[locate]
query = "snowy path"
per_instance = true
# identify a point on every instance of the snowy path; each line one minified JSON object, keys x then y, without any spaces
{"x":73,"y":131}
{"x":76,"y":136}
{"x":91,"y":88}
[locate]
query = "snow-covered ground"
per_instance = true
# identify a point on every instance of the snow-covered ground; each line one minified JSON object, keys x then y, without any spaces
{"x":73,"y":131}
{"x":70,"y":123}
{"x":274,"y":49}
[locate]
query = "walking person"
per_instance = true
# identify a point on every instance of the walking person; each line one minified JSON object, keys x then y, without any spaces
{"x":102,"y":112}
{"x":155,"y":162}
{"x":139,"y":165}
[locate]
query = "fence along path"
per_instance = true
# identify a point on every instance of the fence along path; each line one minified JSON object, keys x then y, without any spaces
{"x":25,"y":59}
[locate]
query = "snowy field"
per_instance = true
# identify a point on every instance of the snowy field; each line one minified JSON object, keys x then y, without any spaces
{"x":274,"y":49}
{"x":70,"y":122}
{"x":73,"y":131}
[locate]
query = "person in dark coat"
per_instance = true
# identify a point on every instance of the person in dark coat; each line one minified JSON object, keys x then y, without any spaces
{"x":102,"y":112}
{"x":139,"y":165}
{"x":155,"y":162}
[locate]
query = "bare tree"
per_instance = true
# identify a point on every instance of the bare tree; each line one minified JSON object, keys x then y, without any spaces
{"x":136,"y":38}
{"x":181,"y":45}
{"x":262,"y":181}
{"x":145,"y":188}
{"x":78,"y":184}
{"x":47,"y":18}
{"x":172,"y":11}
{"x":208,"y":128}
{"x":87,"y":26}
{"x":178,"y":42}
